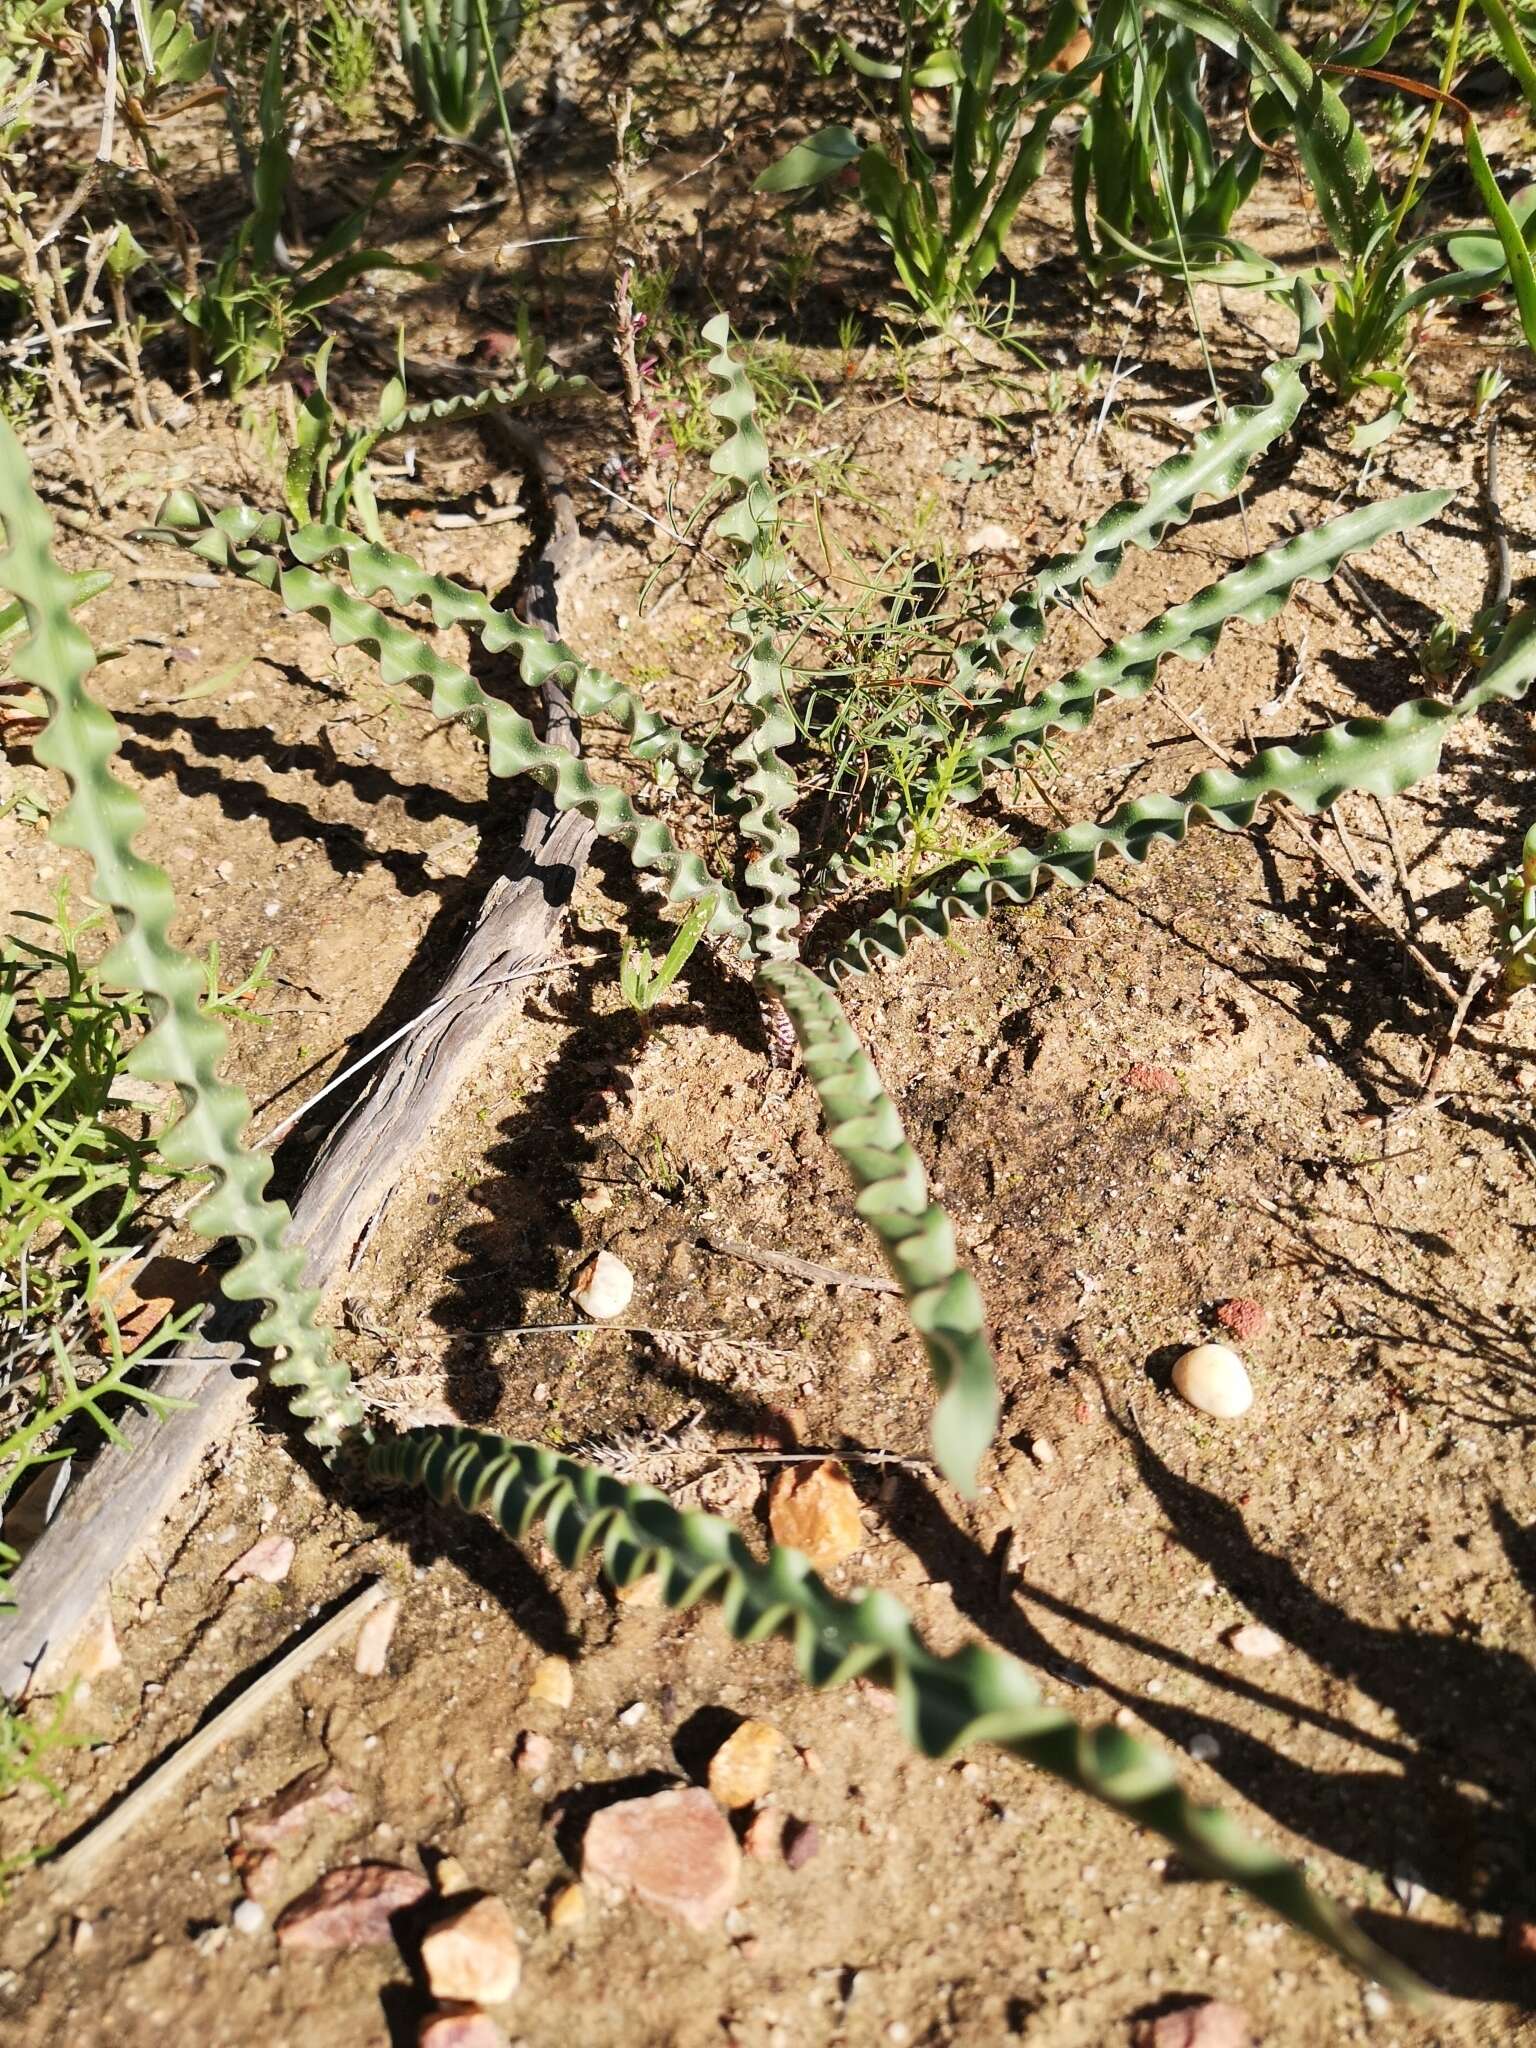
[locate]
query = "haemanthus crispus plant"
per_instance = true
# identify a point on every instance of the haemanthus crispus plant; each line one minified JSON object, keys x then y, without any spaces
{"x":943,"y":1701}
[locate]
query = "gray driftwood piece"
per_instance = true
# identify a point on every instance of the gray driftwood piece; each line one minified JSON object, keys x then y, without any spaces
{"x":117,"y":1502}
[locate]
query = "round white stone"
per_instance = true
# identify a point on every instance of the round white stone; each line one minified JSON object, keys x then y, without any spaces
{"x":604,"y":1287}
{"x":1214,"y":1380}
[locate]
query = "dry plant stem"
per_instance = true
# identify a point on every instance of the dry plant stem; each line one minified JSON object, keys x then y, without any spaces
{"x":1477,"y":981}
{"x":800,"y":1269}
{"x":63,"y":384}
{"x":642,"y":424}
{"x":74,"y":1871}
{"x":188,"y":250}
{"x":143,"y":411}
{"x":1493,"y":504}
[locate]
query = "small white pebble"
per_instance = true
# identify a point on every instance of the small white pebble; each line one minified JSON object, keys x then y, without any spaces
{"x":604,"y":1287}
{"x":1204,"y":1748}
{"x":632,"y":1715}
{"x":249,"y":1916}
{"x":1214,"y":1379}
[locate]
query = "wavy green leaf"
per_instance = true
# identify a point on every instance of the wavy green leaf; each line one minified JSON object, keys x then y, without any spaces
{"x":917,"y":1237}
{"x":185,"y":1045}
{"x":1255,"y":592}
{"x":765,"y":780}
{"x":373,"y":568}
{"x":1380,"y":756}
{"x":943,"y":1703}
{"x":1214,"y":466}
{"x":241,"y":540}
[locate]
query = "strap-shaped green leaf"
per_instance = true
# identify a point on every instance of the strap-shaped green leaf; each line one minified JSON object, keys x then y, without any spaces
{"x":374,"y":568}
{"x":1378,"y":755}
{"x":185,"y":1045}
{"x":1214,"y":466}
{"x":753,"y":522}
{"x":1333,"y":151}
{"x":1255,"y":592}
{"x":512,"y":745}
{"x":942,"y":1702}
{"x":917,"y":1237}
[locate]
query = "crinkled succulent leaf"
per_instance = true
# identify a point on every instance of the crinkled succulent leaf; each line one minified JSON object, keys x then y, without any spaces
{"x":752,"y":521}
{"x":1214,"y":466}
{"x":1255,"y":592}
{"x":184,"y":1045}
{"x":917,"y":1237}
{"x":1379,"y":756}
{"x":373,"y":568}
{"x":242,"y":540}
{"x":943,"y":1703}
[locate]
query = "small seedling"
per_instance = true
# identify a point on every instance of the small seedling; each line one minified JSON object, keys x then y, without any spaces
{"x":643,"y":980}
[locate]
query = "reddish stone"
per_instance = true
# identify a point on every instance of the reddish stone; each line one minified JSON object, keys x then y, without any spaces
{"x":673,"y":1851}
{"x":1147,"y":1080}
{"x":466,"y":2027}
{"x":1520,"y":1939}
{"x":802,"y":1841}
{"x":351,"y":1908}
{"x":1243,"y":1318}
{"x":294,"y":1810}
{"x":1213,"y":2024}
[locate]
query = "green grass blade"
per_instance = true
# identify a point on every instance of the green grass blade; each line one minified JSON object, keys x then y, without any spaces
{"x":184,"y":1045}
{"x":241,"y":540}
{"x":916,"y":1235}
{"x":1333,"y":151}
{"x":943,"y":1703}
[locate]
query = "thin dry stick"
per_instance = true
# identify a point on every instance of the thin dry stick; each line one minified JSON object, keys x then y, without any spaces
{"x":1493,"y":505}
{"x":143,"y":411}
{"x":800,"y":1269}
{"x":75,"y":1870}
{"x":62,"y":381}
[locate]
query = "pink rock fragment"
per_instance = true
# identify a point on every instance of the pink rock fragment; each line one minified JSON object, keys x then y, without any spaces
{"x":466,"y":2028}
{"x":350,"y":1908}
{"x":371,"y":1658}
{"x":802,"y":1842}
{"x":533,"y":1753}
{"x":1213,"y":2024}
{"x":673,"y":1851}
{"x":1151,"y":1080}
{"x":294,"y":1810}
{"x":270,"y":1560}
{"x":1243,"y":1318}
{"x":1253,"y":1639}
{"x":474,"y":1956}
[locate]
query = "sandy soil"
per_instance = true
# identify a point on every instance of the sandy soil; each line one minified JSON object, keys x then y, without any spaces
{"x":1376,"y":1509}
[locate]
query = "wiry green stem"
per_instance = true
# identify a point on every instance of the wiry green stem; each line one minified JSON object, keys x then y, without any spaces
{"x":240,"y":540}
{"x":184,"y":1045}
{"x":917,"y":1237}
{"x":942,"y":1703}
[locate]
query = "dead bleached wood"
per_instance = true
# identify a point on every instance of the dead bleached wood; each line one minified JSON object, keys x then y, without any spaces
{"x":75,"y":1870}
{"x":116,"y":1503}
{"x":125,"y":1493}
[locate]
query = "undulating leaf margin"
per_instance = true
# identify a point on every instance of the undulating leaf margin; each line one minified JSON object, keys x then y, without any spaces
{"x":1213,"y":466}
{"x":942,"y":1702}
{"x":1191,"y":631}
{"x":242,"y":540}
{"x":374,"y":568}
{"x":1378,"y":756}
{"x":916,"y":1235}
{"x":184,"y":1045}
{"x":752,"y":521}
